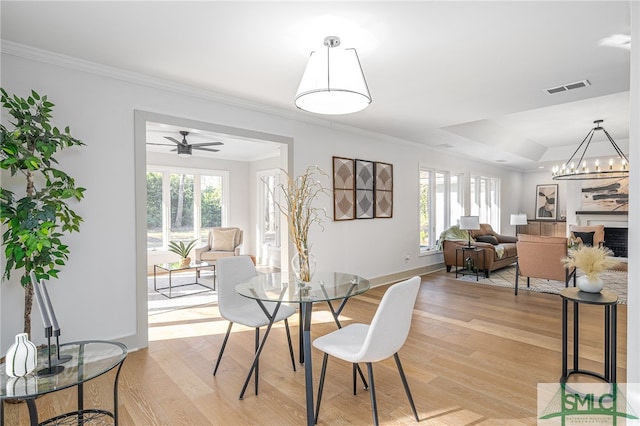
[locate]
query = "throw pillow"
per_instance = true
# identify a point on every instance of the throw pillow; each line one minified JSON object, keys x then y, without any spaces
{"x":586,"y":237}
{"x":224,"y":240}
{"x":487,"y":239}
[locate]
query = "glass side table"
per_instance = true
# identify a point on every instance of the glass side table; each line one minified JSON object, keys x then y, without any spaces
{"x":89,"y":359}
{"x":474,"y":253}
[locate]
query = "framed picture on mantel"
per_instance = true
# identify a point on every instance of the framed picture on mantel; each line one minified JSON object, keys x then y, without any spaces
{"x":547,"y":202}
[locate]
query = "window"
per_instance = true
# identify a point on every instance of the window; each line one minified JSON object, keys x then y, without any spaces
{"x":267,"y":209}
{"x":441,"y":204}
{"x":485,"y":200}
{"x":183,"y":205}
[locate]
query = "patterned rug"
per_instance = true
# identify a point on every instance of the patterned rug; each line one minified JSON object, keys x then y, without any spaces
{"x":615,"y":281}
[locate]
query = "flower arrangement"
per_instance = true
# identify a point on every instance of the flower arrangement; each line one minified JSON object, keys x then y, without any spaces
{"x":591,"y":260}
{"x":299,"y":195}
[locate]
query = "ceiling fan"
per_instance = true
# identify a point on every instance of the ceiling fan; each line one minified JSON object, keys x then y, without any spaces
{"x":184,"y":148}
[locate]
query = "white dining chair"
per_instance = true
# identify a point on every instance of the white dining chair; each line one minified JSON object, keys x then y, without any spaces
{"x":372,"y":343}
{"x":239,"y":309}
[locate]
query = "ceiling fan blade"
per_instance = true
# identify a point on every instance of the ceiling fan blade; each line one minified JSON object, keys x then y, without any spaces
{"x":173,"y":140}
{"x":205,"y":149}
{"x":207,"y":144}
{"x":158,"y":144}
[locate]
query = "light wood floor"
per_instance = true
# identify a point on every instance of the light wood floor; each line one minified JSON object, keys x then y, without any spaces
{"x":473,"y":357}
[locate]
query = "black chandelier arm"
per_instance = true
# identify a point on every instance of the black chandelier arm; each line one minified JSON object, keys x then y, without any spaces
{"x":615,"y":146}
{"x":589,"y":136}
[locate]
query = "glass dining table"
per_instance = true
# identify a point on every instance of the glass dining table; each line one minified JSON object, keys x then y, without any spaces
{"x":282,"y":288}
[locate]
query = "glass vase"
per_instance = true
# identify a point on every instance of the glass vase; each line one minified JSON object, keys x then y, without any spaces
{"x":303,"y":265}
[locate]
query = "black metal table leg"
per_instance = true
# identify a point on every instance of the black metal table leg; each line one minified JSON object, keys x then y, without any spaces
{"x":306,"y":308}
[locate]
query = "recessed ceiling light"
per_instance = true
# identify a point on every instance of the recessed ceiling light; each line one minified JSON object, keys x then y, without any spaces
{"x":541,"y":167}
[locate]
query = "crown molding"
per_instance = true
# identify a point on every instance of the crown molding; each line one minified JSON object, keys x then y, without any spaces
{"x":57,"y":59}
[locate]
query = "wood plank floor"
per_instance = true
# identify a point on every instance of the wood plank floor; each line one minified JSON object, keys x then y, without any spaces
{"x":474,"y":357}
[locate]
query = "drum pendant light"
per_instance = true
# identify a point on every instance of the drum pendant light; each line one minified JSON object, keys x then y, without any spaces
{"x":333,"y":82}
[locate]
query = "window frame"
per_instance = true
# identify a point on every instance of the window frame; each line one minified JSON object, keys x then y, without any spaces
{"x":166,"y":172}
{"x":433,"y":205}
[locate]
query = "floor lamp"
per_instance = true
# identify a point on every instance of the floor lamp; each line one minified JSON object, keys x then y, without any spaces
{"x":518,"y":219}
{"x":469,"y":223}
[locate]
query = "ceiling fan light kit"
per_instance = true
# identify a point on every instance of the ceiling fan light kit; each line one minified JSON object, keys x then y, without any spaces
{"x":184,"y":148}
{"x":581,"y":170}
{"x":333,"y":83}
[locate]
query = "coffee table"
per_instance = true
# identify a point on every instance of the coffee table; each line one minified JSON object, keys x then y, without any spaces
{"x":176,"y":267}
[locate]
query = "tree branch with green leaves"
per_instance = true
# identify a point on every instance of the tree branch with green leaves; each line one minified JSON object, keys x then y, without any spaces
{"x":36,"y":221}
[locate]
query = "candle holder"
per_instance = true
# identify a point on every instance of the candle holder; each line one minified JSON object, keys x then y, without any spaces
{"x":51,"y":328}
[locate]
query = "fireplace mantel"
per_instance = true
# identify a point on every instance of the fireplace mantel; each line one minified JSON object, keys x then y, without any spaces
{"x":596,"y":212}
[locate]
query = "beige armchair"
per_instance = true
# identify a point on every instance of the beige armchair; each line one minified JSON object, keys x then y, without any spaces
{"x":541,"y":257}
{"x":222,"y":242}
{"x":597,"y":237}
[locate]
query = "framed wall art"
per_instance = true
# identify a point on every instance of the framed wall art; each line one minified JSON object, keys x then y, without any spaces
{"x":547,"y":202}
{"x":605,"y":195}
{"x":365,"y":181}
{"x":384,"y":190}
{"x":343,"y":188}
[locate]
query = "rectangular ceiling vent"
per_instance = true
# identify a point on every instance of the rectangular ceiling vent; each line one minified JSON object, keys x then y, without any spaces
{"x":567,"y":87}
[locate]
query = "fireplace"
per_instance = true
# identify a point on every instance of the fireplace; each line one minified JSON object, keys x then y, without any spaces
{"x":616,"y":240}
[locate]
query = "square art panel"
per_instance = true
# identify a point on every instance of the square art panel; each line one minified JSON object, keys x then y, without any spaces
{"x":365,"y":185}
{"x":384,"y":190}
{"x":343,"y":188}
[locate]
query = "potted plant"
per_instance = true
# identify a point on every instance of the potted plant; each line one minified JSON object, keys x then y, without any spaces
{"x":592,"y":261}
{"x":36,"y":220}
{"x":182,"y":250}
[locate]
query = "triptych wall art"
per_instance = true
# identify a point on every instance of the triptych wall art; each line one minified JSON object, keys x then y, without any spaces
{"x":362,"y":189}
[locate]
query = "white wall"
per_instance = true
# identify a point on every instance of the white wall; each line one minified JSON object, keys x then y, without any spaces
{"x":99,"y":293}
{"x":633,"y":313}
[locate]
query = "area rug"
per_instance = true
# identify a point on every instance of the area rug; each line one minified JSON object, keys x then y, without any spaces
{"x":615,"y":281}
{"x":183,"y":296}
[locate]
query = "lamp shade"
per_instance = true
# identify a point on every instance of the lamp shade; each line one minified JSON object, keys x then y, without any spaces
{"x":469,"y":222}
{"x":518,"y":219}
{"x":333,"y":82}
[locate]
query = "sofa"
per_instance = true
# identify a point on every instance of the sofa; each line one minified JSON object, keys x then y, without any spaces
{"x":499,"y":250}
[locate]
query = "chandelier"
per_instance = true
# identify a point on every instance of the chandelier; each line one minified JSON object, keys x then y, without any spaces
{"x":333,"y":83}
{"x":581,"y":170}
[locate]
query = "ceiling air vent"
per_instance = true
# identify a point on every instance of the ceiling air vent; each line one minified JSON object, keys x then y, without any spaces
{"x":567,"y":87}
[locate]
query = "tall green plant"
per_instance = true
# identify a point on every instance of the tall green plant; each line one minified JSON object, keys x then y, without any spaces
{"x":36,"y":221}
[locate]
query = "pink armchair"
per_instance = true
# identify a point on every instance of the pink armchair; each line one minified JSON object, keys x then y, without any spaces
{"x":541,"y":257}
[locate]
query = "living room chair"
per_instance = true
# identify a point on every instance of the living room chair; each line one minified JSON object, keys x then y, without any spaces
{"x":372,"y":343}
{"x":221,"y":242}
{"x":541,"y":257}
{"x":590,"y":235}
{"x":238,"y":309}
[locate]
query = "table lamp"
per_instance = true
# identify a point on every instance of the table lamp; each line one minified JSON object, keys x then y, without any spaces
{"x":469,"y":223}
{"x":518,"y":219}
